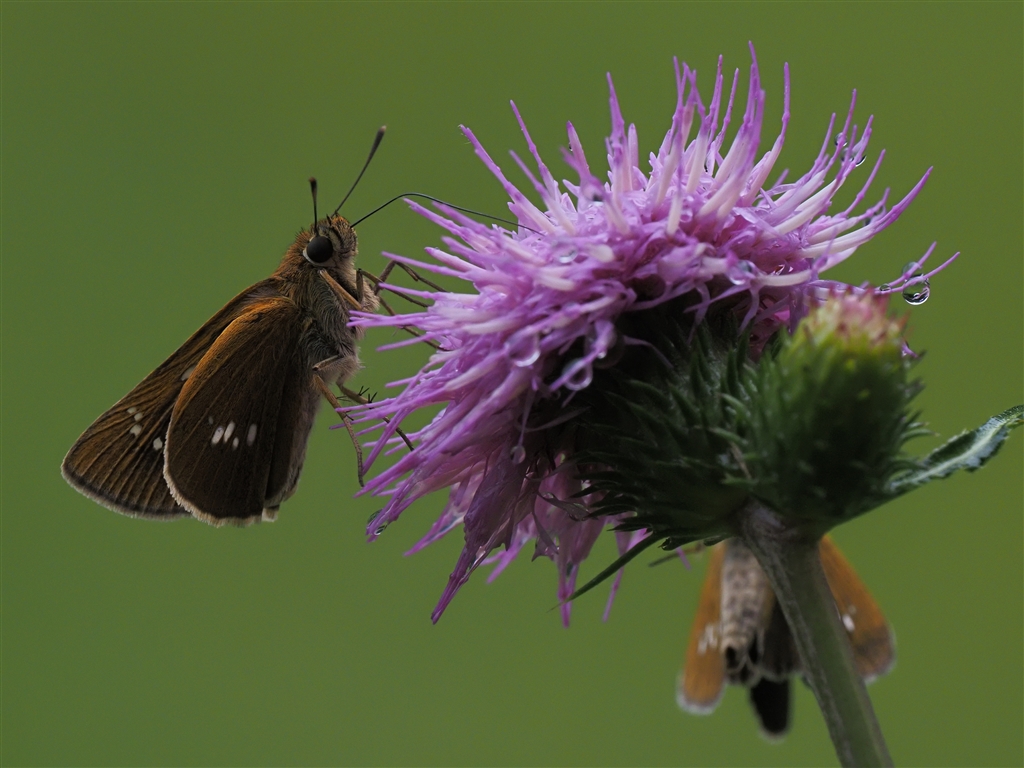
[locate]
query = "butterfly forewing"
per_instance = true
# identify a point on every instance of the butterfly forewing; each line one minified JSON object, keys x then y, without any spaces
{"x":119,"y":460}
{"x":874,"y":648}
{"x":702,"y":679}
{"x":222,"y":445}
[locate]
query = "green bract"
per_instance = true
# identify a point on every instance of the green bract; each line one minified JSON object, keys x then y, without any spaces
{"x":687,"y":427}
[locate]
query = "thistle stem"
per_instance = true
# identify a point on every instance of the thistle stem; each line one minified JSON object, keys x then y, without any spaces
{"x":789,"y":557}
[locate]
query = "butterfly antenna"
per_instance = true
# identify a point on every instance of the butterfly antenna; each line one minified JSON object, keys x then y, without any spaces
{"x":442,"y":202}
{"x":312,"y":188}
{"x":376,"y":143}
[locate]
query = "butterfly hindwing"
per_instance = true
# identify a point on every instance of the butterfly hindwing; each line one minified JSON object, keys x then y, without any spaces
{"x":771,"y":695}
{"x":229,"y":454}
{"x":119,"y":460}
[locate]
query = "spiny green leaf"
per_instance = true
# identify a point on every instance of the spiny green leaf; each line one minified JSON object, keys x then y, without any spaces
{"x":969,"y":450}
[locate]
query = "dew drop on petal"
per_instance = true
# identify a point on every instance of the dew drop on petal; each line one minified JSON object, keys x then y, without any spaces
{"x":518,"y":454}
{"x":374,"y":516}
{"x":524,"y":350}
{"x":916,"y":292}
{"x":740,"y":273}
{"x":580,"y":377}
{"x":567,"y":257}
{"x":860,"y":160}
{"x":884,"y":288}
{"x":380,"y":529}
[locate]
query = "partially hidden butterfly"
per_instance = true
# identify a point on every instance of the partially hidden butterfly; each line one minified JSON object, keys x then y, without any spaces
{"x":219,"y":430}
{"x":740,"y":636}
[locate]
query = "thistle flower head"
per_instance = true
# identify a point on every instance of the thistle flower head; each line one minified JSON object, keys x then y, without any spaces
{"x":695,"y":228}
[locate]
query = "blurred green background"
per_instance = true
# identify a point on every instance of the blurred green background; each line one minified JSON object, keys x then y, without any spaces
{"x":155,"y":159}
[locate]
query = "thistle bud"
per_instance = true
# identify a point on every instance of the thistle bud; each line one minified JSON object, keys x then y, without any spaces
{"x":828,"y":413}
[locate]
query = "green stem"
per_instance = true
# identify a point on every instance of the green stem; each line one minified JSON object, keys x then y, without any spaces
{"x":791,"y":561}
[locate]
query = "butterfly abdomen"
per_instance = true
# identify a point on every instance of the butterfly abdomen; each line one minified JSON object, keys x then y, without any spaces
{"x":746,"y":601}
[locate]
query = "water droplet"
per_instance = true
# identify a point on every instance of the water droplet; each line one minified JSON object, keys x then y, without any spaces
{"x":740,"y":272}
{"x":910,"y":268}
{"x":567,"y":257}
{"x":884,"y":288}
{"x":580,"y":375}
{"x":916,"y":292}
{"x":840,"y":139}
{"x":860,"y":160}
{"x":518,"y":454}
{"x":374,"y":516}
{"x":523,"y":349}
{"x":380,"y":529}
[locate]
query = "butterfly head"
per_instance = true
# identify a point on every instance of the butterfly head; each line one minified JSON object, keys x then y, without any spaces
{"x":328,"y":242}
{"x":329,"y":245}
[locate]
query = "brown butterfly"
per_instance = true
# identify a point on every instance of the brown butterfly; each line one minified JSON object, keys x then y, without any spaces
{"x":741,"y":637}
{"x":219,"y":430}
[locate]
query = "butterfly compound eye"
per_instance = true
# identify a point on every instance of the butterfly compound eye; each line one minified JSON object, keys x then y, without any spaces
{"x":318,"y":250}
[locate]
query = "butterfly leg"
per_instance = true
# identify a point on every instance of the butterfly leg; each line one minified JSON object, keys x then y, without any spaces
{"x":320,"y":384}
{"x":362,"y":275}
{"x":341,"y":293}
{"x":357,"y":397}
{"x":357,"y":303}
{"x":408,"y":270}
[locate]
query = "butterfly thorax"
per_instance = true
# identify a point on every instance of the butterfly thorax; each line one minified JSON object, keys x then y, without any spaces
{"x":326,"y":313}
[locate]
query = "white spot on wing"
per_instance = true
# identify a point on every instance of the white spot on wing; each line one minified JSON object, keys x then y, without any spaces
{"x":250,"y":436}
{"x":158,"y":444}
{"x":136,"y":430}
{"x":217,"y":435}
{"x":234,"y":443}
{"x":709,"y":639}
{"x":229,"y":430}
{"x":209,"y":420}
{"x":187,"y":373}
{"x":138,"y":416}
{"x":133,"y":409}
{"x":848,"y":622}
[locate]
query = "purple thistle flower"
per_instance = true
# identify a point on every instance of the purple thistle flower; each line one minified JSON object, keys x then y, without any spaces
{"x":544,"y":300}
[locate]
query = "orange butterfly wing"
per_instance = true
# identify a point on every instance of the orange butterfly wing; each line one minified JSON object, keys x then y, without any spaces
{"x":702,"y":679}
{"x":874,"y":647}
